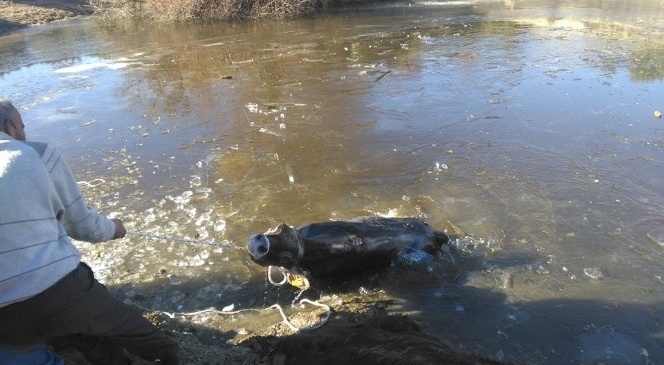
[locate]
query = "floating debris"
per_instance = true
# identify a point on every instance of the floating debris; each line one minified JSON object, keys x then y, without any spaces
{"x":654,"y":240}
{"x":242,"y":62}
{"x":440,"y":166}
{"x":382,"y":76}
{"x":657,"y":114}
{"x":289,"y":171}
{"x":498,"y":101}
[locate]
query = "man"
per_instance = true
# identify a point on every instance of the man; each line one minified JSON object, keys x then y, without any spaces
{"x":46,"y":293}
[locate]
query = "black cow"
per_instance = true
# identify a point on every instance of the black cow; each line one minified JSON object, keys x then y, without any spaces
{"x":339,"y":249}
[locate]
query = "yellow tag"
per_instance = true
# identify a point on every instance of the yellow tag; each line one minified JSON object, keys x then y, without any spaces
{"x":299,"y":281}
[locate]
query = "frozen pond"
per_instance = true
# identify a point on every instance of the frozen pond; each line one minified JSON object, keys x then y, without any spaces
{"x":526,"y":127}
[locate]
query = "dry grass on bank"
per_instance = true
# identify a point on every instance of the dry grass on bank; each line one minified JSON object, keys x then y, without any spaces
{"x":207,"y":9}
{"x":15,"y":15}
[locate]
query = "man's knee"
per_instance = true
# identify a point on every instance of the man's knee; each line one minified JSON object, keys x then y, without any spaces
{"x":37,"y":355}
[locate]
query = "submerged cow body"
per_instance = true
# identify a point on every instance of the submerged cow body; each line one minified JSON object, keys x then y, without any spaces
{"x":338,"y":249}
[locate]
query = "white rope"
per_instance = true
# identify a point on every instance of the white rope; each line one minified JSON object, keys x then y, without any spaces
{"x":283,"y":315}
{"x":295,"y":328}
{"x":328,"y":313}
{"x":269,"y":276}
{"x":92,"y":183}
{"x":209,"y":310}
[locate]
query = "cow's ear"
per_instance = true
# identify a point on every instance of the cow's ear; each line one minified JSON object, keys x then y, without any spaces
{"x":276,"y":230}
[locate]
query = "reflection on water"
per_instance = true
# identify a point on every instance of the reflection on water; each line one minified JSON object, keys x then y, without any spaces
{"x":526,"y":128}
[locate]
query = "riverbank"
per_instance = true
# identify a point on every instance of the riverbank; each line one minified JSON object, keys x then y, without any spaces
{"x":18,"y":14}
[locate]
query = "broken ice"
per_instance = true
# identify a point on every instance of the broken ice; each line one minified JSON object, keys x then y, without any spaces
{"x":593,"y":272}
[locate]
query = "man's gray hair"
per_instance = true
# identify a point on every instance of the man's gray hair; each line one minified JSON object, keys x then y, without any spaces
{"x":7,"y":111}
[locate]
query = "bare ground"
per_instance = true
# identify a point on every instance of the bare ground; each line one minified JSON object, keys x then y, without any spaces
{"x":203,"y":345}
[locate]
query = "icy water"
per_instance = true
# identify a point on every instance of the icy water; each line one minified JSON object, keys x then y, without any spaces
{"x":526,"y":128}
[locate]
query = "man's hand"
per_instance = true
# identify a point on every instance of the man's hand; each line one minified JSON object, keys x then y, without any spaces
{"x":120,"y":230}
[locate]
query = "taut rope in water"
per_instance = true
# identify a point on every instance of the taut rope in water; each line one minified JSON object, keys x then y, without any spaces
{"x":178,"y":239}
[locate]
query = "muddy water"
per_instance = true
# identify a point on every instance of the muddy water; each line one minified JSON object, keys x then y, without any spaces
{"x":526,"y":128}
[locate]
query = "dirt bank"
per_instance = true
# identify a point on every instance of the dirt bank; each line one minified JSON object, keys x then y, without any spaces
{"x":21,"y":13}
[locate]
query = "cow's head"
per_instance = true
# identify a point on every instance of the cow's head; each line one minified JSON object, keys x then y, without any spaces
{"x":279,"y":246}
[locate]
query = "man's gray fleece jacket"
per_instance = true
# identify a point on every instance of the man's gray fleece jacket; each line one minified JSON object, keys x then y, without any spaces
{"x":41,"y":206}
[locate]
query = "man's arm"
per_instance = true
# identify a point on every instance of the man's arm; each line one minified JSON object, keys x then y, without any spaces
{"x":81,"y":221}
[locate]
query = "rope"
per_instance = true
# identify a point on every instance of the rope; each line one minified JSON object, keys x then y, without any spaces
{"x":283,"y":316}
{"x":295,"y":328}
{"x":209,"y":310}
{"x":269,"y":276}
{"x":177,"y":239}
{"x":328,"y":313}
{"x":93,"y":183}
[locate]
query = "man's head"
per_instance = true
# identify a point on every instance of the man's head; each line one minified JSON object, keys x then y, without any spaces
{"x":10,"y":120}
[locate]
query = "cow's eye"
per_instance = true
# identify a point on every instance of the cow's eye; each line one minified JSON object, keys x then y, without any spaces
{"x":285,"y":256}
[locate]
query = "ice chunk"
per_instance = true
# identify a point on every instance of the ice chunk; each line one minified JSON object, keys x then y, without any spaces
{"x":202,"y":233}
{"x":204,"y":217}
{"x":228,"y":308}
{"x":219,"y":225}
{"x":174,"y":280}
{"x":253,"y":107}
{"x":593,"y":272}
{"x":197,"y":261}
